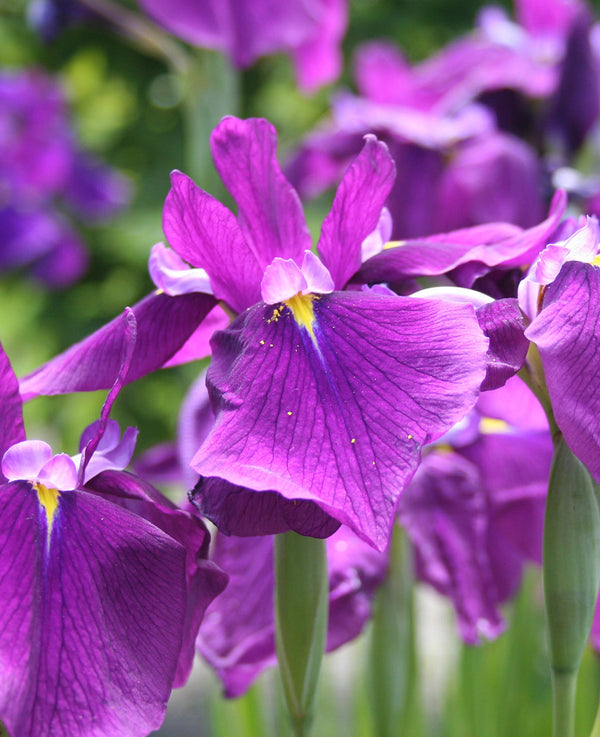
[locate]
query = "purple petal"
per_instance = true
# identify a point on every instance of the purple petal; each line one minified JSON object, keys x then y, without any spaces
{"x":11,"y":417}
{"x":515,"y":404}
{"x":494,"y":244}
{"x":163,"y":325}
{"x":203,"y":579}
{"x":270,"y":213}
{"x":197,"y":346}
{"x":90,"y":632}
{"x":502,"y":322}
{"x":444,"y":511}
{"x":337,"y":415}
{"x":24,"y":460}
{"x":319,"y":60}
{"x":318,"y":278}
{"x":356,"y":210}
{"x":566,"y":334}
{"x":204,"y":232}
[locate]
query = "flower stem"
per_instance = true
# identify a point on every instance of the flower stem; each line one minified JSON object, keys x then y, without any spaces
{"x":564,"y":686}
{"x":301,"y":609}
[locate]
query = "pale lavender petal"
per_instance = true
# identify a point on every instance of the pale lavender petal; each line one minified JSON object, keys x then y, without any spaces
{"x":163,"y":326}
{"x":382,"y":73}
{"x":11,"y":417}
{"x":318,"y":278}
{"x":60,"y":472}
{"x":566,"y":334}
{"x":339,"y":419}
{"x":375,"y":241}
{"x":205,"y":234}
{"x":90,"y":632}
{"x":24,"y":460}
{"x":173,"y":275}
{"x":270,"y":213}
{"x":356,"y":210}
{"x":282,"y":280}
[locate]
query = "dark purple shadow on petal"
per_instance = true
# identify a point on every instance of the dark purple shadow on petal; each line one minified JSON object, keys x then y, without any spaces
{"x":236,"y":510}
{"x":11,"y":417}
{"x":90,"y":627}
{"x":356,"y":210}
{"x":163,"y":326}
{"x":503,"y":323}
{"x":340,"y":421}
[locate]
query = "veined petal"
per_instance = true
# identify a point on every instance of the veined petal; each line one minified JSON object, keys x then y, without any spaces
{"x":334,"y":409}
{"x":270,"y":213}
{"x":206,"y":234}
{"x":163,"y":326}
{"x":566,"y":334}
{"x":90,"y":628}
{"x":356,"y":210}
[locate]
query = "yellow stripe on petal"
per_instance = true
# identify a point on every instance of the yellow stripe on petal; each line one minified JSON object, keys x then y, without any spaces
{"x":48,"y":498}
{"x":301,"y":306}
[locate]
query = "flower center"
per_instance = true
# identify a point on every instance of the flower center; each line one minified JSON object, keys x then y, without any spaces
{"x":301,"y":306}
{"x":48,"y":498}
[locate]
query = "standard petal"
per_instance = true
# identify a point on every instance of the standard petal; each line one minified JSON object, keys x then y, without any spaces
{"x":356,"y":210}
{"x":566,"y":334}
{"x":336,"y":413}
{"x":205,"y":233}
{"x":11,"y":417}
{"x":502,"y":322}
{"x":91,"y":624}
{"x":270,"y":213}
{"x":163,"y":326}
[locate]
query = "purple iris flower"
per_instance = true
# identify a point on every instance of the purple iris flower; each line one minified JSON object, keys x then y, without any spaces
{"x":323,"y":398}
{"x":42,"y":171}
{"x":475,"y":508}
{"x":248,"y":29}
{"x":104,"y":584}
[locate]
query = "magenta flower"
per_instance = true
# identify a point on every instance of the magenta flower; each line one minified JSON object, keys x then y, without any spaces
{"x":475,"y":513}
{"x":292,"y":365}
{"x":246,"y":30}
{"x":104,"y":583}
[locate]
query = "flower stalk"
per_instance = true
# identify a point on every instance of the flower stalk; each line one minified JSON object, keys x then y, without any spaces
{"x":301,"y":609}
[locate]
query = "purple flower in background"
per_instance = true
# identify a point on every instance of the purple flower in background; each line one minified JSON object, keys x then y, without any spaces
{"x":475,"y":508}
{"x":42,"y":171}
{"x":104,"y":584}
{"x":248,"y":29}
{"x":237,"y":635}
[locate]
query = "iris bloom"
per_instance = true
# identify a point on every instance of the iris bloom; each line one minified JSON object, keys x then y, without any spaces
{"x":248,"y":29}
{"x":103,"y":583}
{"x":42,"y":170}
{"x":323,"y":398}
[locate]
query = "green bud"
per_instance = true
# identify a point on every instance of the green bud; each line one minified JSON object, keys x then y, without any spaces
{"x":301,"y":609}
{"x":571,"y":558}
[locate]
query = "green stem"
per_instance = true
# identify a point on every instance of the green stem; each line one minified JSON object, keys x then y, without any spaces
{"x":142,"y":32}
{"x":596,"y":728}
{"x":301,"y":609}
{"x":564,"y":687}
{"x":392,"y":658}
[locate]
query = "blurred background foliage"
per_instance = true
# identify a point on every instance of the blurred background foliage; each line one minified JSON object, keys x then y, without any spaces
{"x":129,"y":108}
